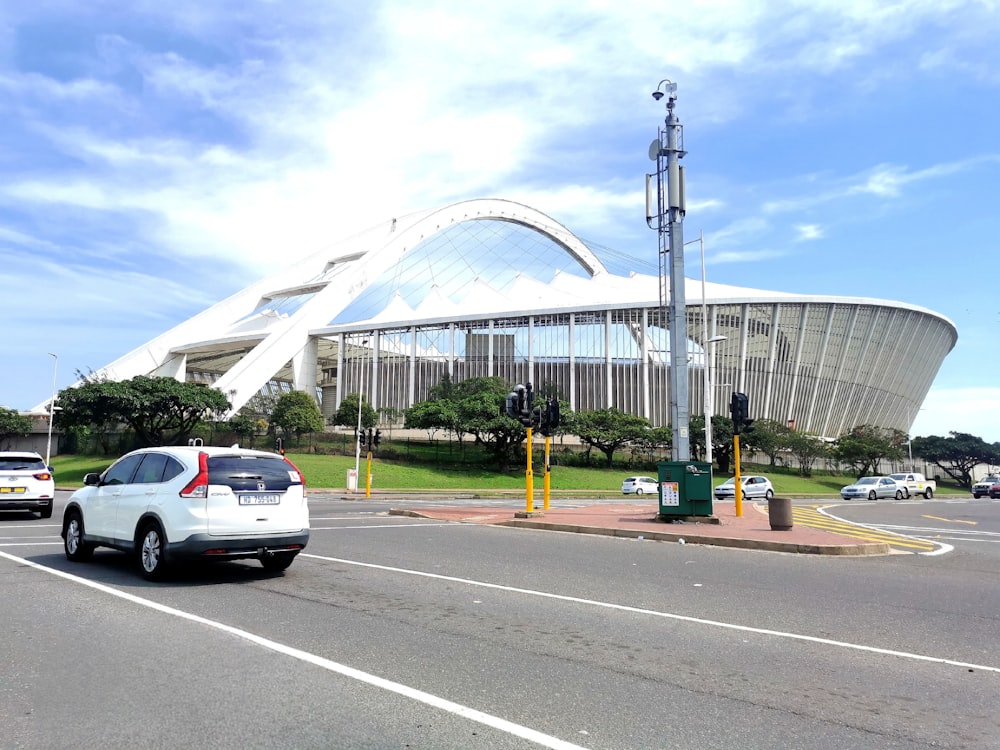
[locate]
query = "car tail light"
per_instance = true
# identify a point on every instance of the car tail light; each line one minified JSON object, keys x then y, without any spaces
{"x":296,"y":470}
{"x":42,"y":476}
{"x":197,"y":488}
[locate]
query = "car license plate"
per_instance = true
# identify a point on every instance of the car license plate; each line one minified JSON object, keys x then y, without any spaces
{"x":12,"y":490}
{"x":260,"y":499}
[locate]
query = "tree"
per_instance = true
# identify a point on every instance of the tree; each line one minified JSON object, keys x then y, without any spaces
{"x":440,"y":411}
{"x":161,"y":411}
{"x":807,"y":448}
{"x":609,"y":429}
{"x":696,"y":436}
{"x":12,"y":425}
{"x":770,"y":438}
{"x":471,"y":407}
{"x":722,"y":441}
{"x":865,"y":446}
{"x":478,"y":405}
{"x":957,"y":455}
{"x":654,"y":439}
{"x":347,"y":413}
{"x":297,"y":413}
{"x":245,"y":425}
{"x":431,"y":415}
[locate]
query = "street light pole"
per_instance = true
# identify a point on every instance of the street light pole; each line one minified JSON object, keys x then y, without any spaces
{"x":708,"y":352}
{"x":666,"y":150}
{"x":52,"y":408}
{"x":357,"y":440}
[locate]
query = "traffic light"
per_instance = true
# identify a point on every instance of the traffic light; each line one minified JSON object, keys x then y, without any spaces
{"x":550,"y":417}
{"x":520,"y":402}
{"x":378,"y":437}
{"x":513,"y":404}
{"x":279,"y":446}
{"x":739,"y":407}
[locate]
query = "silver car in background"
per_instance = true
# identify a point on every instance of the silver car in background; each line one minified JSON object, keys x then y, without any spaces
{"x":873,"y":488}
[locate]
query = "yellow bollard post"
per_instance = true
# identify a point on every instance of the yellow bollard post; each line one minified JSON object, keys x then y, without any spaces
{"x":368,"y":478}
{"x":546,"y":483}
{"x":529,"y":482}
{"x":738,"y":488}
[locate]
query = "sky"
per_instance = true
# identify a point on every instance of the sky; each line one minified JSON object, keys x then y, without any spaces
{"x":157,"y":157}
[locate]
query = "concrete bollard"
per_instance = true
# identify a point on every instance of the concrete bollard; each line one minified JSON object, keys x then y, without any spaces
{"x":779,"y":513}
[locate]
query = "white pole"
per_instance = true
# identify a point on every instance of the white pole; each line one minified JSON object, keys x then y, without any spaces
{"x":357,"y":441}
{"x":707,"y":365}
{"x":52,"y":408}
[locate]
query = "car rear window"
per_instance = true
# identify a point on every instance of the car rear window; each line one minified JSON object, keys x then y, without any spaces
{"x":248,"y":473}
{"x":21,"y":463}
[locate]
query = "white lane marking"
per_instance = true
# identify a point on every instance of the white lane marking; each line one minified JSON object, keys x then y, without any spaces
{"x":466,"y":712}
{"x":665,"y":615}
{"x":941,"y":550}
{"x":385,"y":526}
{"x":928,"y":530}
{"x":33,"y":526}
{"x":31,"y":544}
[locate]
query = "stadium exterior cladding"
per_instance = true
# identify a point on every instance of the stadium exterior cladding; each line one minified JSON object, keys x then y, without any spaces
{"x":823,"y":364}
{"x":490,"y":287}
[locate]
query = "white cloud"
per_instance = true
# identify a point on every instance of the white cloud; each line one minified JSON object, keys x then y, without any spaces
{"x":807,"y":232}
{"x":969,"y":410}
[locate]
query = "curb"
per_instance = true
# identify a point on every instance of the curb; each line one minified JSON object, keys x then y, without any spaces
{"x":846,"y":550}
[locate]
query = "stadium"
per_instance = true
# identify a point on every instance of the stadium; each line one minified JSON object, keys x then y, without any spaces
{"x":490,"y":287}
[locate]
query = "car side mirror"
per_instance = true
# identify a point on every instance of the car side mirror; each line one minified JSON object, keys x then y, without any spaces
{"x":92,"y":479}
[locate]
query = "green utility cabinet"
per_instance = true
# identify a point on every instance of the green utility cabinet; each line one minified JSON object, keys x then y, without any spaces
{"x":685,"y":489}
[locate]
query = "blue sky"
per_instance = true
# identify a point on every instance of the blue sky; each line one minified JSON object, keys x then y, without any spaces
{"x":157,"y":157}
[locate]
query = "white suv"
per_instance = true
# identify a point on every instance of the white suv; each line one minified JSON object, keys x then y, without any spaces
{"x":26,"y":483}
{"x":191,"y":502}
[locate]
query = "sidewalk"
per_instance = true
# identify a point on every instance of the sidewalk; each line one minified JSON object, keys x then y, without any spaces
{"x":752,"y":530}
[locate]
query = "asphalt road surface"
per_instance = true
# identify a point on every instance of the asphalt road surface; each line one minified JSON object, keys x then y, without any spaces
{"x":395,"y":632}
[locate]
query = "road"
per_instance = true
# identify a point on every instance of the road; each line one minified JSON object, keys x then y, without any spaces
{"x":394,"y":632}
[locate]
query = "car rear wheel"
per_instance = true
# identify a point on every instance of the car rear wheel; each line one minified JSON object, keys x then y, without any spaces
{"x":638,"y":490}
{"x":278,"y":561}
{"x":928,"y":493}
{"x":899,"y":494}
{"x":76,"y":549}
{"x":151,"y":560}
{"x":45,"y":512}
{"x":769,"y":494}
{"x":872,"y":495}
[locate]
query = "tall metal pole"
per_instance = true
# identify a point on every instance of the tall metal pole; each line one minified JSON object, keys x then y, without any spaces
{"x":361,"y":393}
{"x":668,"y":150}
{"x":708,"y":355}
{"x":52,"y":409}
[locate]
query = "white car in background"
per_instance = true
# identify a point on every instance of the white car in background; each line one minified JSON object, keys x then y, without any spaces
{"x":640,"y":486}
{"x":26,"y":483}
{"x":753,"y":486}
{"x":191,"y":503}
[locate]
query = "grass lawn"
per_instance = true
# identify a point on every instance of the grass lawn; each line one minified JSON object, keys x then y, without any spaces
{"x":330,"y":472}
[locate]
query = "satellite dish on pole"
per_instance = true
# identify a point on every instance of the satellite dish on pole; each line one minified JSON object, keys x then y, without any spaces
{"x":654,"y":149}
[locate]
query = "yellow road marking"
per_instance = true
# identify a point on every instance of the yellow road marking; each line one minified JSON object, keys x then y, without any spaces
{"x":811,"y":517}
{"x":951,"y":520}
